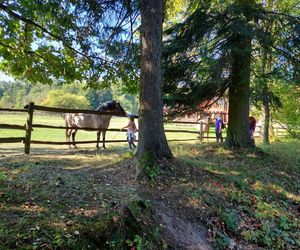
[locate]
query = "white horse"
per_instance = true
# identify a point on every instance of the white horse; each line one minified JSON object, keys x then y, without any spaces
{"x":100,"y":122}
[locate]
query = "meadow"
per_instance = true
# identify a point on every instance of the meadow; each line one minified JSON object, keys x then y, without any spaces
{"x":43,"y":134}
{"x":57,"y":198}
{"x":76,"y":199}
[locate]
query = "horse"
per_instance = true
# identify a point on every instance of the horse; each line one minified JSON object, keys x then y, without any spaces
{"x":100,"y":122}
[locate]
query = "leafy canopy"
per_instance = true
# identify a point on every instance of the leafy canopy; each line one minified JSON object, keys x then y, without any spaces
{"x":68,"y":40}
{"x":198,"y":51}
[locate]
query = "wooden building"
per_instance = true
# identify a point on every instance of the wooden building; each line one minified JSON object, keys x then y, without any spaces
{"x":208,"y":111}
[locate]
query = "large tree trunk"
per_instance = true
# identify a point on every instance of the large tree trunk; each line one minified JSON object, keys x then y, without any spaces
{"x":151,"y":129}
{"x":238,"y":135}
{"x":266,"y":112}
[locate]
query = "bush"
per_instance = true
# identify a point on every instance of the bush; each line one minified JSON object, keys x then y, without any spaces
{"x":60,"y":99}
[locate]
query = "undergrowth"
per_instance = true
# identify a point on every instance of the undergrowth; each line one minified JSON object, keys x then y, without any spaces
{"x":245,"y":197}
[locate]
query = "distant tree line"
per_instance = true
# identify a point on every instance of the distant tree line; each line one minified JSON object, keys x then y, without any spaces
{"x":16,"y":94}
{"x":239,"y":48}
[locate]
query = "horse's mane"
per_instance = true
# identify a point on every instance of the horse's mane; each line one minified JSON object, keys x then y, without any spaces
{"x":106,"y":105}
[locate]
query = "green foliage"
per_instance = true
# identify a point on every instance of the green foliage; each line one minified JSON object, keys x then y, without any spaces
{"x":222,"y":241}
{"x":17,"y":95}
{"x":231,"y":219}
{"x":245,"y":194}
{"x":129,"y":102}
{"x":57,"y":98}
{"x":3,"y":176}
{"x":6,"y":101}
{"x":55,"y":42}
{"x":149,"y":166}
{"x":289,"y":114}
{"x":137,"y":242}
{"x":175,"y":9}
{"x":199,"y":50}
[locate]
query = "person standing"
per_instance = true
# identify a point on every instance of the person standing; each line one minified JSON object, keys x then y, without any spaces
{"x":219,"y":127}
{"x":252,"y":125}
{"x":131,"y":130}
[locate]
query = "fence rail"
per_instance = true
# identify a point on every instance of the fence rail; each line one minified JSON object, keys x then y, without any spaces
{"x":12,"y":139}
{"x":13,"y":110}
{"x":29,"y":126}
{"x":204,"y":131}
{"x":13,"y":126}
{"x":63,"y":110}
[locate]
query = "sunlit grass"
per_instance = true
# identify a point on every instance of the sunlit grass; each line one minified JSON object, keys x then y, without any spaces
{"x":253,"y":193}
{"x":59,"y":134}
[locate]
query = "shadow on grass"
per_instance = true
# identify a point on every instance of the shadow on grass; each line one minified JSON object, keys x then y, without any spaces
{"x":243,"y":195}
{"x":18,"y":149}
{"x":45,"y":199}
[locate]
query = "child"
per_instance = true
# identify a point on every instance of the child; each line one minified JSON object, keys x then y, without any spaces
{"x":219,"y":126}
{"x":252,"y":125}
{"x":131,"y":130}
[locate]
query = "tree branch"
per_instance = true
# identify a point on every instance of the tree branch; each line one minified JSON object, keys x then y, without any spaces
{"x":286,"y":54}
{"x":282,"y":14}
{"x":57,"y":37}
{"x":7,"y":46}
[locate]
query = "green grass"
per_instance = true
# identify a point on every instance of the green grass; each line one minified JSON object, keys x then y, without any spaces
{"x":59,"y":134}
{"x":57,"y":201}
{"x":249,"y":198}
{"x":246,"y":197}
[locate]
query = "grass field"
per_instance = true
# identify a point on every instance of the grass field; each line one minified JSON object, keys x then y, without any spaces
{"x":71,"y":199}
{"x":59,"y":134}
{"x":59,"y":199}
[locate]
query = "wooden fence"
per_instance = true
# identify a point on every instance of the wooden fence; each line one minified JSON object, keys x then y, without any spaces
{"x":29,"y":126}
{"x":204,"y":130}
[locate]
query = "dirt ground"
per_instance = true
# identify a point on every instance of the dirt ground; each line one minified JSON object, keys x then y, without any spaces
{"x":208,"y":197}
{"x":50,"y":197}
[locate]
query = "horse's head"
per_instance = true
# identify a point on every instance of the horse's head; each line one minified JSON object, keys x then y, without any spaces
{"x":112,"y":106}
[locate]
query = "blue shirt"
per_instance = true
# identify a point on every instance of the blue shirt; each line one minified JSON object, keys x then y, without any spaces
{"x":218,"y":124}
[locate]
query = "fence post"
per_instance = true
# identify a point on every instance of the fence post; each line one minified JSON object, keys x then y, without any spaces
{"x":28,"y":128}
{"x":201,"y":132}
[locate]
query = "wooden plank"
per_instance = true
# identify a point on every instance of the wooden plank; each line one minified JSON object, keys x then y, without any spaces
{"x":11,"y":139}
{"x":201,"y":132}
{"x":110,"y":129}
{"x":180,"y":122}
{"x":12,"y":126}
{"x":173,"y":140}
{"x":28,"y":128}
{"x":13,"y":110}
{"x":86,"y":111}
{"x":84,"y":128}
{"x":70,"y":143}
{"x":88,"y":142}
{"x":182,"y":131}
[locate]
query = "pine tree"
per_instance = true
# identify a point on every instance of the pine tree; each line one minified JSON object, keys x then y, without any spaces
{"x":212,"y":51}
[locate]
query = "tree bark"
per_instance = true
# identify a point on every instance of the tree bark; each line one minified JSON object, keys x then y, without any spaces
{"x":266,"y":110}
{"x":267,"y":63}
{"x":238,"y":135}
{"x":151,"y":129}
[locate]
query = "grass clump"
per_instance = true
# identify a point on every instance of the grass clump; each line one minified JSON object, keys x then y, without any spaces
{"x":149,"y":166}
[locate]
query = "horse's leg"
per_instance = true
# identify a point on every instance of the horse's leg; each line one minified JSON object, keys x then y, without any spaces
{"x":68,"y":135}
{"x":103,"y":136}
{"x":98,"y":138}
{"x":73,"y":137}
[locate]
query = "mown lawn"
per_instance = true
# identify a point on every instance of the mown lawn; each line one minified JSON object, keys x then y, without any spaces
{"x":59,"y":135}
{"x":58,"y":199}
